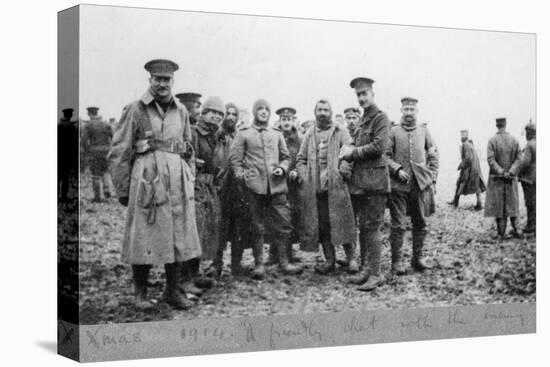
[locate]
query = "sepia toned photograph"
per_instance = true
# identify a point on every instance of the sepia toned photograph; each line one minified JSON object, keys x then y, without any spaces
{"x":232,"y":166}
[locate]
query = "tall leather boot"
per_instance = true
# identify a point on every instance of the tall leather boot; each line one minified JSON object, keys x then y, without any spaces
{"x":418,"y":262}
{"x":273,"y":256}
{"x":330,"y":259}
{"x":516,"y":232}
{"x":501,"y":227}
{"x":199,"y":280}
{"x":236,"y":258}
{"x":285,"y":266}
{"x":96,"y":186}
{"x":374,"y":249}
{"x":172,"y":294}
{"x":478,"y":201}
{"x":258,"y":250}
{"x":140,"y":274}
{"x":292,"y":258}
{"x":396,"y":242}
{"x":215,"y":269}
{"x":186,"y":284}
{"x":363,"y":275}
{"x":353,"y":266}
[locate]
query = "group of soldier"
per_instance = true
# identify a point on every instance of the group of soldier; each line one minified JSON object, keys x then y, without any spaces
{"x":194,"y":180}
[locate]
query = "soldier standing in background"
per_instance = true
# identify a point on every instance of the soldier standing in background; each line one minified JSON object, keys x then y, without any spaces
{"x":528,"y":177}
{"x":504,"y":158}
{"x":325,"y":199}
{"x":370,"y":182}
{"x":191,"y":101}
{"x":293,"y":141}
{"x":352,"y":115}
{"x":470,"y":180}
{"x":260,"y":159}
{"x":413,"y":165}
{"x":152,"y":162}
{"x":97,"y":139}
{"x":67,"y":154}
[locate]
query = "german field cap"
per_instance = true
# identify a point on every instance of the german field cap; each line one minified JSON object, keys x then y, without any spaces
{"x":409,"y":101}
{"x":161,"y":67}
{"x":361,"y":83}
{"x":351,"y":110}
{"x":288,"y":111}
{"x":92,"y":109}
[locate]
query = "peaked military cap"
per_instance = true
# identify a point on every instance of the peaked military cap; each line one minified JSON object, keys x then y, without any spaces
{"x":67,"y":110}
{"x":189,"y":97}
{"x":464,"y":132}
{"x":161,"y":67}
{"x":286,"y":111}
{"x":351,"y":110}
{"x":361,"y":83}
{"x":501,"y":120}
{"x":92,"y":109}
{"x":409,"y":101}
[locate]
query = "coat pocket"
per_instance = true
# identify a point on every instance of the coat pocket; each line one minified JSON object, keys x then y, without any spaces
{"x":151,"y":193}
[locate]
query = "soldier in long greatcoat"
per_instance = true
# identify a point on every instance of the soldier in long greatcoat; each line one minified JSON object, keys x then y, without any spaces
{"x":153,"y":173}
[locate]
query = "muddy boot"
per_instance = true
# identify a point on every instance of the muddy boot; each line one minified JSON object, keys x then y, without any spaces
{"x":396,"y":242}
{"x":236,"y":257}
{"x":373,"y":243}
{"x":373,"y":282}
{"x":455,"y":201}
{"x":284,"y":264}
{"x":478,"y":202}
{"x":418,"y":262}
{"x":199,"y":280}
{"x":186,"y":284}
{"x":140,"y":275}
{"x":363,"y":275}
{"x":273,"y":257}
{"x":501,"y":228}
{"x":352,"y":265}
{"x":292,"y":258}
{"x":516,"y":232}
{"x":258,"y":273}
{"x":330,"y":259}
{"x":215,"y":269}
{"x":172,"y":294}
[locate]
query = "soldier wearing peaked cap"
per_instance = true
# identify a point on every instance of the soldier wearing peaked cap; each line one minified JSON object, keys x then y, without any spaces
{"x":191,"y":101}
{"x":67,"y":154}
{"x":413,"y":162}
{"x":370,"y":183}
{"x":96,"y":143}
{"x":528,"y":177}
{"x":152,"y":164}
{"x":504,"y":158}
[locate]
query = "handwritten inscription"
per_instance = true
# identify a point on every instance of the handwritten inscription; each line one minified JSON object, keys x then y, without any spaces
{"x":421,"y":322}
{"x":504,"y":316}
{"x":454,"y":318}
{"x":205,"y":333}
{"x":356,"y":326}
{"x":101,"y":340}
{"x":304,"y":329}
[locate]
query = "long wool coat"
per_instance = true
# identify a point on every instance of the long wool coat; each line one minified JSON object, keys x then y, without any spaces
{"x":160,"y":224}
{"x":342,"y":220}
{"x":470,"y":179}
{"x":503,"y":154}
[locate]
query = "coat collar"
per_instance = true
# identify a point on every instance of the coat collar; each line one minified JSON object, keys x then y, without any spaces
{"x":369,"y":113}
{"x":203,"y":128}
{"x":147,"y":98}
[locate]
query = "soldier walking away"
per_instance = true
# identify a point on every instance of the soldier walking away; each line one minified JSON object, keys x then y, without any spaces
{"x":191,"y":101}
{"x":260,"y":159}
{"x":235,"y":217}
{"x":470,"y":179}
{"x":528,"y":177}
{"x":293,"y":141}
{"x":152,"y":163}
{"x":413,"y":166}
{"x":98,"y":135}
{"x":67,"y":154}
{"x":352,"y":115}
{"x":504,"y":158}
{"x":326,"y":202}
{"x":370,"y":182}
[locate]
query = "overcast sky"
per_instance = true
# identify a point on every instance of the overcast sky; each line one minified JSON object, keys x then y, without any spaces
{"x":463,"y":79}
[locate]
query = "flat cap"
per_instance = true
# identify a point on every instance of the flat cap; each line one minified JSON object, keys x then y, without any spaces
{"x":189,"y":97}
{"x":409,"y":101}
{"x":352,"y":110}
{"x":286,"y":111}
{"x":161,"y":67}
{"x":361,"y":83}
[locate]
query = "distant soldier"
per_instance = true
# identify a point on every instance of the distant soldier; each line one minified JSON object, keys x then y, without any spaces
{"x":293,"y":141}
{"x":98,"y":135}
{"x":67,"y":153}
{"x":326,"y":202}
{"x":413,"y":165}
{"x":260,"y":159}
{"x":528,"y":177}
{"x":504,"y":158}
{"x":370,"y":182}
{"x":470,"y":180}
{"x":352,"y":115}
{"x":152,"y":162}
{"x":191,"y":101}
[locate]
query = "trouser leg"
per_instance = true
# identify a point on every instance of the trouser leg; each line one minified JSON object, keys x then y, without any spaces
{"x":398,"y":212}
{"x":96,"y":186}
{"x":417,"y":211}
{"x":323,"y":219}
{"x":107,"y":184}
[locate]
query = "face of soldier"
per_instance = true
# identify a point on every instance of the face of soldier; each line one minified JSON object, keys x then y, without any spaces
{"x":161,"y":85}
{"x":231,"y":118}
{"x":365,"y":98}
{"x":262,"y":114}
{"x":286,"y":122}
{"x":323,"y":113}
{"x":194,"y":108}
{"x":212,"y":117}
{"x":351,"y":121}
{"x":409,"y":112}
